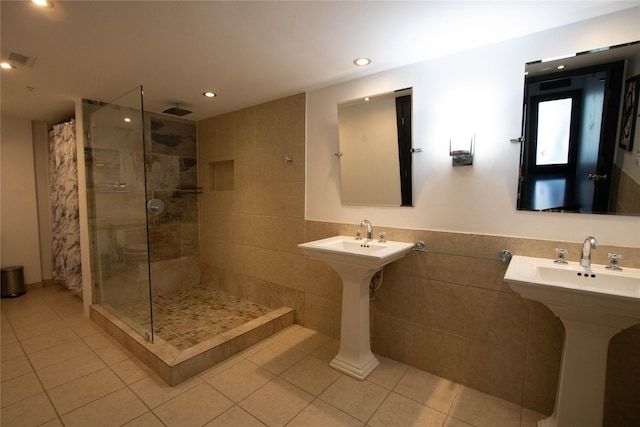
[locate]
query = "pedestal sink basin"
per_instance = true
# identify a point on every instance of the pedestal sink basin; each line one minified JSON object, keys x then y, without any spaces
{"x":594,"y":303}
{"x":355,"y":261}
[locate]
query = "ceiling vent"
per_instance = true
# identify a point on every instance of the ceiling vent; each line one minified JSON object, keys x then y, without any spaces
{"x":18,"y":59}
{"x":177,"y":111}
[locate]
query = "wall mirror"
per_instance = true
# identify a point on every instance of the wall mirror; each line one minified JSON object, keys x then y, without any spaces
{"x":572,"y":157}
{"x":375,"y":136}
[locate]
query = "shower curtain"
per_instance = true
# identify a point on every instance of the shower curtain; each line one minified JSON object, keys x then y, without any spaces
{"x":63,"y":176}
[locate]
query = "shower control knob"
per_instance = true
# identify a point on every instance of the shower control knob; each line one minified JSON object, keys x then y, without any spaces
{"x":155,"y":206}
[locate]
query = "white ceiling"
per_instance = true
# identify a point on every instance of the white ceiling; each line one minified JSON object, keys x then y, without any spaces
{"x":247,"y":52}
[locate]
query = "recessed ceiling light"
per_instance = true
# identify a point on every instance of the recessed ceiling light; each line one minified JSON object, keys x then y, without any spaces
{"x":127,"y":119}
{"x":6,"y":66}
{"x":362,"y":61}
{"x":209,"y":94}
{"x":560,"y":67}
{"x":42,"y":3}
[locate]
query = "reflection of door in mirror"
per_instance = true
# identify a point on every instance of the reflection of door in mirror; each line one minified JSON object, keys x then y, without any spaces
{"x":403,"y":125}
{"x":376,"y":150}
{"x":570,"y":139}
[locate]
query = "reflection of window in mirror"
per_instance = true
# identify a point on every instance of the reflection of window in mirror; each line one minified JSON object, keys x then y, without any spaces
{"x":555,"y":131}
{"x":554,"y":123}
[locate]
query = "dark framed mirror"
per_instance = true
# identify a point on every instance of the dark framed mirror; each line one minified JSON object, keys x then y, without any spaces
{"x":574,"y":157}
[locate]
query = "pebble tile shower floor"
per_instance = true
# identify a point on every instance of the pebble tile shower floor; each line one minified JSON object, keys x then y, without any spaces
{"x":187,"y":317}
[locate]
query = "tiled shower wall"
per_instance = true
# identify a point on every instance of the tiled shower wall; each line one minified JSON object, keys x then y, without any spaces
{"x":172,"y":176}
{"x":448,"y":311}
{"x":252,"y":207}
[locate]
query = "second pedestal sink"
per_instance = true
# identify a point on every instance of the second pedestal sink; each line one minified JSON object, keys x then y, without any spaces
{"x":594,"y":303}
{"x":355,"y":261}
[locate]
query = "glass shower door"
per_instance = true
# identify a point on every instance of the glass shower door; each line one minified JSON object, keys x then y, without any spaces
{"x":115,"y":159}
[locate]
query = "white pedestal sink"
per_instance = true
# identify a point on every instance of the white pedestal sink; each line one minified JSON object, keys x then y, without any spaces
{"x":356,"y":261}
{"x":594,"y":303}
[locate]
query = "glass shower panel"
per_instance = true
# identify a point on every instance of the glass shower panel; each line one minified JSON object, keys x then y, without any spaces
{"x":115,"y":158}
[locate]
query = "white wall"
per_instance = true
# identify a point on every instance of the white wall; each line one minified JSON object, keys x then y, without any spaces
{"x":83,"y":214}
{"x":478,"y":91}
{"x":19,"y":215}
{"x":41,"y":162}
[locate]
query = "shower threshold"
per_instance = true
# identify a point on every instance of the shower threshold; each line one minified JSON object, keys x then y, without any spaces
{"x":175,"y":360}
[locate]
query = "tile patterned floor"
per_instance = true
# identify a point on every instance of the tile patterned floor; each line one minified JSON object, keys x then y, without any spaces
{"x":188,"y":317}
{"x":59,"y":369}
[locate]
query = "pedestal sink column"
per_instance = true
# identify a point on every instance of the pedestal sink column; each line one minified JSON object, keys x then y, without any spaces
{"x":355,"y":357}
{"x":594,"y":303}
{"x":356,"y":261}
{"x":581,"y":387}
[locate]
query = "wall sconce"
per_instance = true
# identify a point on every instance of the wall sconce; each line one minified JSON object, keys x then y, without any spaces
{"x":462,"y":157}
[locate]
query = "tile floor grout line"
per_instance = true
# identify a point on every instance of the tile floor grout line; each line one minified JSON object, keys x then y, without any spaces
{"x":279,"y":376}
{"x":393,"y":390}
{"x":35,"y":372}
{"x":60,"y":415}
{"x":379,"y":406}
{"x":110,"y":368}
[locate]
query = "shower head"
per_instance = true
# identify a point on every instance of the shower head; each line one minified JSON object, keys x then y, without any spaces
{"x":177,"y":111}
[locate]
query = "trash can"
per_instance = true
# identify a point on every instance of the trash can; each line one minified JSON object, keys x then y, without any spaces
{"x":12,"y":281}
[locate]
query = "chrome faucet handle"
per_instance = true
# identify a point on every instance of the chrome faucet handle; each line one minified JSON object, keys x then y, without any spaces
{"x":561,"y":254}
{"x":358,"y":234}
{"x":614,"y":262}
{"x":382,"y":234}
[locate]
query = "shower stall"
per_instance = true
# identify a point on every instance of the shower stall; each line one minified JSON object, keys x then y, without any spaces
{"x":142,"y":194}
{"x":115,"y":152}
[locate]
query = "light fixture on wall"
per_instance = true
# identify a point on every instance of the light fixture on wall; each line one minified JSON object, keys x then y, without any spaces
{"x":462,"y":157}
{"x":361,"y":62}
{"x":42,"y":3}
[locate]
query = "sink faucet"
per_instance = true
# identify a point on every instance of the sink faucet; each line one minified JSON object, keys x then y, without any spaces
{"x":369,"y":230}
{"x":589,"y":243}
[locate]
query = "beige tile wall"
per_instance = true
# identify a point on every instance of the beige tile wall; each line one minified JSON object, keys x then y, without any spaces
{"x":447,"y":311}
{"x":249,"y":234}
{"x":628,"y":197}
